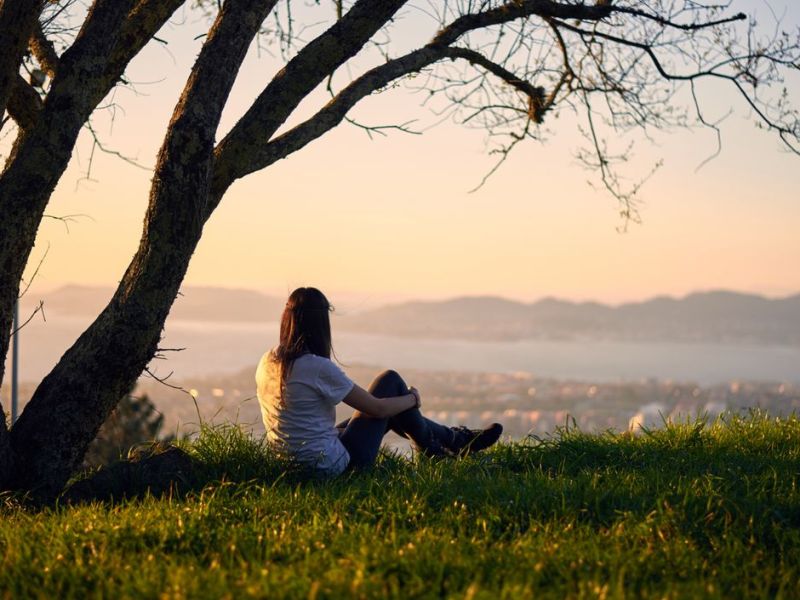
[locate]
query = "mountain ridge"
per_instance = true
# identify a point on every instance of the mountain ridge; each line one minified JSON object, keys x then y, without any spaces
{"x":708,"y":316}
{"x":713,"y":316}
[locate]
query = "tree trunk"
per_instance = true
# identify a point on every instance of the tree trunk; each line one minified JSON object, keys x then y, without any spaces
{"x":72,"y":402}
{"x":25,"y":188}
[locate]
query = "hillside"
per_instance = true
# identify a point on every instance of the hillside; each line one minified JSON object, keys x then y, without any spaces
{"x":691,"y":511}
{"x":709,"y":317}
{"x":721,"y":316}
{"x":195,"y":303}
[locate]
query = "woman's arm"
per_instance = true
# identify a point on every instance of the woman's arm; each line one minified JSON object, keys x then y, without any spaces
{"x":362,"y":400}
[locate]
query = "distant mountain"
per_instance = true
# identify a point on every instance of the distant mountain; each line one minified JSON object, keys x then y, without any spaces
{"x":195,"y":303}
{"x":718,"y":316}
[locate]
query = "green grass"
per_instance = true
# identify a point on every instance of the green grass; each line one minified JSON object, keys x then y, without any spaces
{"x":694,"y":510}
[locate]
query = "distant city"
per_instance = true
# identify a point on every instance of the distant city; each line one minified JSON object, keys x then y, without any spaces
{"x":526,"y":405}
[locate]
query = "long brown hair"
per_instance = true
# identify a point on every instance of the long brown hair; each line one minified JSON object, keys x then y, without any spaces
{"x":305,"y":328}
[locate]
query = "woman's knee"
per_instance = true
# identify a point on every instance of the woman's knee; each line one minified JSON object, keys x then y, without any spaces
{"x":391,"y":375}
{"x":388,"y":383}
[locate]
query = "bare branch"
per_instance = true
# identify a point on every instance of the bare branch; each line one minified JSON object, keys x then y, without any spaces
{"x":298,"y":78}
{"x":327,"y":118}
{"x":246,"y":147}
{"x":35,"y":273}
{"x":163,"y":381}
{"x":683,"y":26}
{"x":504,"y":152}
{"x":372,"y":130}
{"x":788,"y":133}
{"x":65,"y":220}
{"x":535,"y":94}
{"x":97,"y":144}
{"x":39,"y":309}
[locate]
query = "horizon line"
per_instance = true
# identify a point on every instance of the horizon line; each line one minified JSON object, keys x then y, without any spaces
{"x":405,"y":299}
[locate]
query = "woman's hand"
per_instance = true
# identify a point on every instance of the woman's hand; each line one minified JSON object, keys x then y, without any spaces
{"x":364,"y":402}
{"x":418,"y":399}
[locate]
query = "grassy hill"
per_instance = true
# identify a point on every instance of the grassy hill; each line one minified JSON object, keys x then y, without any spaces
{"x":695,"y":510}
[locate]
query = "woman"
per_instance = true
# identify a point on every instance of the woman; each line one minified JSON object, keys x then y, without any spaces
{"x":299,"y":387}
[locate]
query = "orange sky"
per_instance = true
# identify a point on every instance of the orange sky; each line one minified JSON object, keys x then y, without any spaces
{"x":393,"y":217}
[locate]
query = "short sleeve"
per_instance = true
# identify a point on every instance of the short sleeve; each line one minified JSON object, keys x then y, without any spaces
{"x":334,"y":385}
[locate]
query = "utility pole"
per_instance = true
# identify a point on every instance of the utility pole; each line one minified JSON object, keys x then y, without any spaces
{"x":14,"y":362}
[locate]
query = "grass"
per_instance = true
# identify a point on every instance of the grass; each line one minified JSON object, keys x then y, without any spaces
{"x":693,"y":510}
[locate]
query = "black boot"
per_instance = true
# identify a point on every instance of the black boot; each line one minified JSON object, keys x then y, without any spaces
{"x":433,"y":448}
{"x":466,"y":441}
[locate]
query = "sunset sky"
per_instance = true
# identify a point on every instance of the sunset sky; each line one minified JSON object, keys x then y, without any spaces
{"x":393,"y":218}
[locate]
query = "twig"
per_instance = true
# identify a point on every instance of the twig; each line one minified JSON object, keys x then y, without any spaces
{"x":163,"y":381}
{"x":35,"y":272}
{"x":38,"y":309}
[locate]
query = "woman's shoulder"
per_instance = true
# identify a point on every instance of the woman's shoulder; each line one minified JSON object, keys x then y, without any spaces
{"x":313,"y":361}
{"x":305,"y":367}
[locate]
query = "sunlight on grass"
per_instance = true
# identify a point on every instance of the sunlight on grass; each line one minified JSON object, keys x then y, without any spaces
{"x":694,"y":509}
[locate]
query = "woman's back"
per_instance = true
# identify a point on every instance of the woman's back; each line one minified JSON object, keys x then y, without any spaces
{"x":300,"y":422}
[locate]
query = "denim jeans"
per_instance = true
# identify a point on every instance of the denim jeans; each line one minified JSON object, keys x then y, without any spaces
{"x":362,"y":434}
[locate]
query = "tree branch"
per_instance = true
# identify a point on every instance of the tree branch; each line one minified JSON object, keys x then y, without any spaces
{"x":112,"y":34}
{"x":299,"y":77}
{"x":789,"y":135}
{"x":140,"y":26}
{"x":17,"y":20}
{"x":44,"y":51}
{"x":672,"y":24}
{"x":247,"y":146}
{"x":535,"y":94}
{"x":328,"y":117}
{"x":519,"y":9}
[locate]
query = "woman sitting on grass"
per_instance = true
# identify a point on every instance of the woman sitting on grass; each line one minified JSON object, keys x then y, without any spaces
{"x":299,"y":387}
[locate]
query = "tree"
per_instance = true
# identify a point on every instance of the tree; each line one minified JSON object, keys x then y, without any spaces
{"x":505,"y":64}
{"x":133,"y":421}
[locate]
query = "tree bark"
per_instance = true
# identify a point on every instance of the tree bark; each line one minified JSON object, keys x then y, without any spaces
{"x":73,"y":400}
{"x":44,"y":51}
{"x":17,"y":21}
{"x":24,"y":104}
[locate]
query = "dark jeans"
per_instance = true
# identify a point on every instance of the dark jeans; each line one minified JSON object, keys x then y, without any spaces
{"x":362,"y":434}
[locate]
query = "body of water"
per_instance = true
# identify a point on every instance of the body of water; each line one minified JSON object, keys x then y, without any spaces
{"x":226,"y":347}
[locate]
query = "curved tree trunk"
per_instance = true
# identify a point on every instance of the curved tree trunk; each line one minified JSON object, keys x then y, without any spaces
{"x":73,"y":401}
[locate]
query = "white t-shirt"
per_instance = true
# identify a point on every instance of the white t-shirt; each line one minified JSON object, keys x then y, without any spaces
{"x":302,"y":427}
